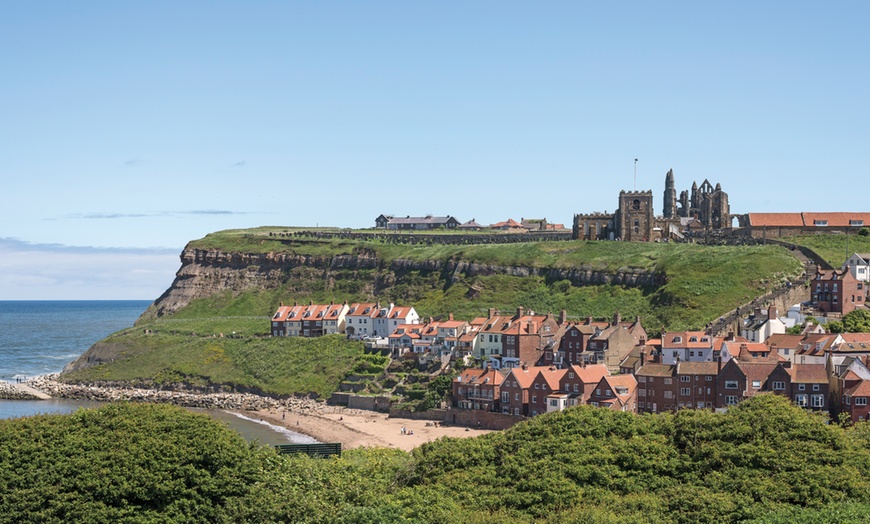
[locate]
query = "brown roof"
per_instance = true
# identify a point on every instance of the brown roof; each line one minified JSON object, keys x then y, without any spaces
{"x":525,"y":377}
{"x":655,"y":370}
{"x":809,"y":373}
{"x":861,"y":389}
{"x":697,"y":368}
{"x":838,"y":219}
{"x":776,"y":219}
{"x":782,"y":340}
{"x":590,"y":374}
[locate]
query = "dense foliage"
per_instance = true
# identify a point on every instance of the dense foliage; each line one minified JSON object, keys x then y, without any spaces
{"x":764,"y":461}
{"x":857,"y":321}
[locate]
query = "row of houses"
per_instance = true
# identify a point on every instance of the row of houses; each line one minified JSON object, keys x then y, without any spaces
{"x":429,"y":222}
{"x":359,"y":320}
{"x":682,"y":370}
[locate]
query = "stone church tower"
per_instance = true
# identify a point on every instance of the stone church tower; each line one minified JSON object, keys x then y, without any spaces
{"x":635,"y":218}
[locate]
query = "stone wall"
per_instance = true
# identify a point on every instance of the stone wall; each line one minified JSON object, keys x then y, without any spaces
{"x":474,"y":418}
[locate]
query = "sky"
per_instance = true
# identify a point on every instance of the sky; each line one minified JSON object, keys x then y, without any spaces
{"x":131,"y":128}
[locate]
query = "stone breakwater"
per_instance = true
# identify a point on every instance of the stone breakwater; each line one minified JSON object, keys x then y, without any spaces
{"x":225,"y":401}
{"x":10,"y":391}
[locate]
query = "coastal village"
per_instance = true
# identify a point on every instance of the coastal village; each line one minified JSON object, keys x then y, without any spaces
{"x":524,"y":363}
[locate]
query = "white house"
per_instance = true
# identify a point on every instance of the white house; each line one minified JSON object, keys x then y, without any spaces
{"x":359,"y":320}
{"x":761,"y":326}
{"x":859,"y":265}
{"x":686,"y":346}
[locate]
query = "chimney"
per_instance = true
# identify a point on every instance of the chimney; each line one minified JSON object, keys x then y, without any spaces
{"x":492,"y":312}
{"x":588,"y":320}
{"x":281,"y":304}
{"x":730,"y":337}
{"x":520,"y":311}
{"x":617,"y":318}
{"x":757,"y":312}
{"x":642,"y":341}
{"x":563,"y":317}
{"x":642,"y":357}
{"x":310,"y":302}
{"x":771,"y":313}
{"x":524,"y":366}
{"x":295,"y":303}
{"x":718,"y":364}
{"x":450,"y":316}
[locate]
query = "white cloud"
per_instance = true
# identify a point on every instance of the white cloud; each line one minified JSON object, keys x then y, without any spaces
{"x":57,"y":272}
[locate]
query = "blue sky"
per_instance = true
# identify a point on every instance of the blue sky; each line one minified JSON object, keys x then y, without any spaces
{"x":129,"y":129}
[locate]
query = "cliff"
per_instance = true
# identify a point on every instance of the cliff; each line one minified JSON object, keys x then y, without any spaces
{"x":204,"y":273}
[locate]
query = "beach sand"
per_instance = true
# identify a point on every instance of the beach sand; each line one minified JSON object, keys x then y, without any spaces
{"x":355,"y":428}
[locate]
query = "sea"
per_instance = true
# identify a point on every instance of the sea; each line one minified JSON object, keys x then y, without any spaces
{"x":40,"y":337}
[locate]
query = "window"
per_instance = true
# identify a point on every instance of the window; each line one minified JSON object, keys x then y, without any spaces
{"x":685,"y":378}
{"x":668,"y":381}
{"x":685,"y":392}
{"x":537,"y":386}
{"x":802,"y":387}
{"x":730,"y":384}
{"x":554,"y":403}
{"x":756,"y":384}
{"x":731,"y":400}
{"x":534,"y":399}
{"x":708,"y":378}
{"x":801,"y":400}
{"x":641,"y":379}
{"x":860,"y":401}
{"x":517,"y":397}
{"x":505,"y":397}
{"x":778,"y":385}
{"x":815,"y":387}
{"x":668,"y":394}
{"x":818,"y":401}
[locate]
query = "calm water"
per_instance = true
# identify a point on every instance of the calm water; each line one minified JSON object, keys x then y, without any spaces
{"x":41,"y":337}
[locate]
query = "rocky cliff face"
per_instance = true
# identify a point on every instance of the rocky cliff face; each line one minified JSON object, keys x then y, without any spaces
{"x":204,"y":273}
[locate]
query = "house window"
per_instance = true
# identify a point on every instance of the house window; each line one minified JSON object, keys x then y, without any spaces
{"x":818,"y":401}
{"x":756,"y":384}
{"x":778,"y":385}
{"x":802,"y":387}
{"x":730,"y":384}
{"x":537,"y":386}
{"x":815,"y":387}
{"x":731,"y":400}
{"x":641,"y":379}
{"x":505,"y":397}
{"x":685,"y":392}
{"x":554,"y":403}
{"x":534,"y":399}
{"x":708,"y":378}
{"x":801,"y":400}
{"x":668,"y":394}
{"x":685,"y":378}
{"x":517,"y":397}
{"x":860,"y":401}
{"x":667,"y":381}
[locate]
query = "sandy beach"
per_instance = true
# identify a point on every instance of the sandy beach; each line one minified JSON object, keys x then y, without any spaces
{"x":356,"y":428}
{"x":353,"y":428}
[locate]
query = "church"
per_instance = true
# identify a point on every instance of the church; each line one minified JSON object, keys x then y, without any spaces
{"x":702,"y":210}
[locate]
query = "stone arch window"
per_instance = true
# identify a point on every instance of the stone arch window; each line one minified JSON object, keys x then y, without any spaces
{"x":635,"y":204}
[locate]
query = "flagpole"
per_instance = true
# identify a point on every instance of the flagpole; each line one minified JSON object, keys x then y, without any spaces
{"x":635,"y":174}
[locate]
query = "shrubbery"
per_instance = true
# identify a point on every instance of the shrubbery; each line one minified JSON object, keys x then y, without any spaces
{"x":764,"y":461}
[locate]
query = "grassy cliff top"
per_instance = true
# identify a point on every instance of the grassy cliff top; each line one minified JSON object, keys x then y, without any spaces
{"x":602,"y":255}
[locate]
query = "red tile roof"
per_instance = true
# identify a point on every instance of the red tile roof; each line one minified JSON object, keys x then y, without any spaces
{"x":776,"y":219}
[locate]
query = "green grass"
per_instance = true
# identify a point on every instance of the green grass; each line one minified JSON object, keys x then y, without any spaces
{"x":273,"y":366}
{"x":834,"y":249}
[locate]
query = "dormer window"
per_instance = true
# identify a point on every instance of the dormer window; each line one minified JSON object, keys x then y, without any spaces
{"x":820,"y":223}
{"x":856,"y":222}
{"x":678,"y":340}
{"x":693,"y":339}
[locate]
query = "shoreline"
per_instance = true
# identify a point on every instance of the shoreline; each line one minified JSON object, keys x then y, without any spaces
{"x":353,"y":428}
